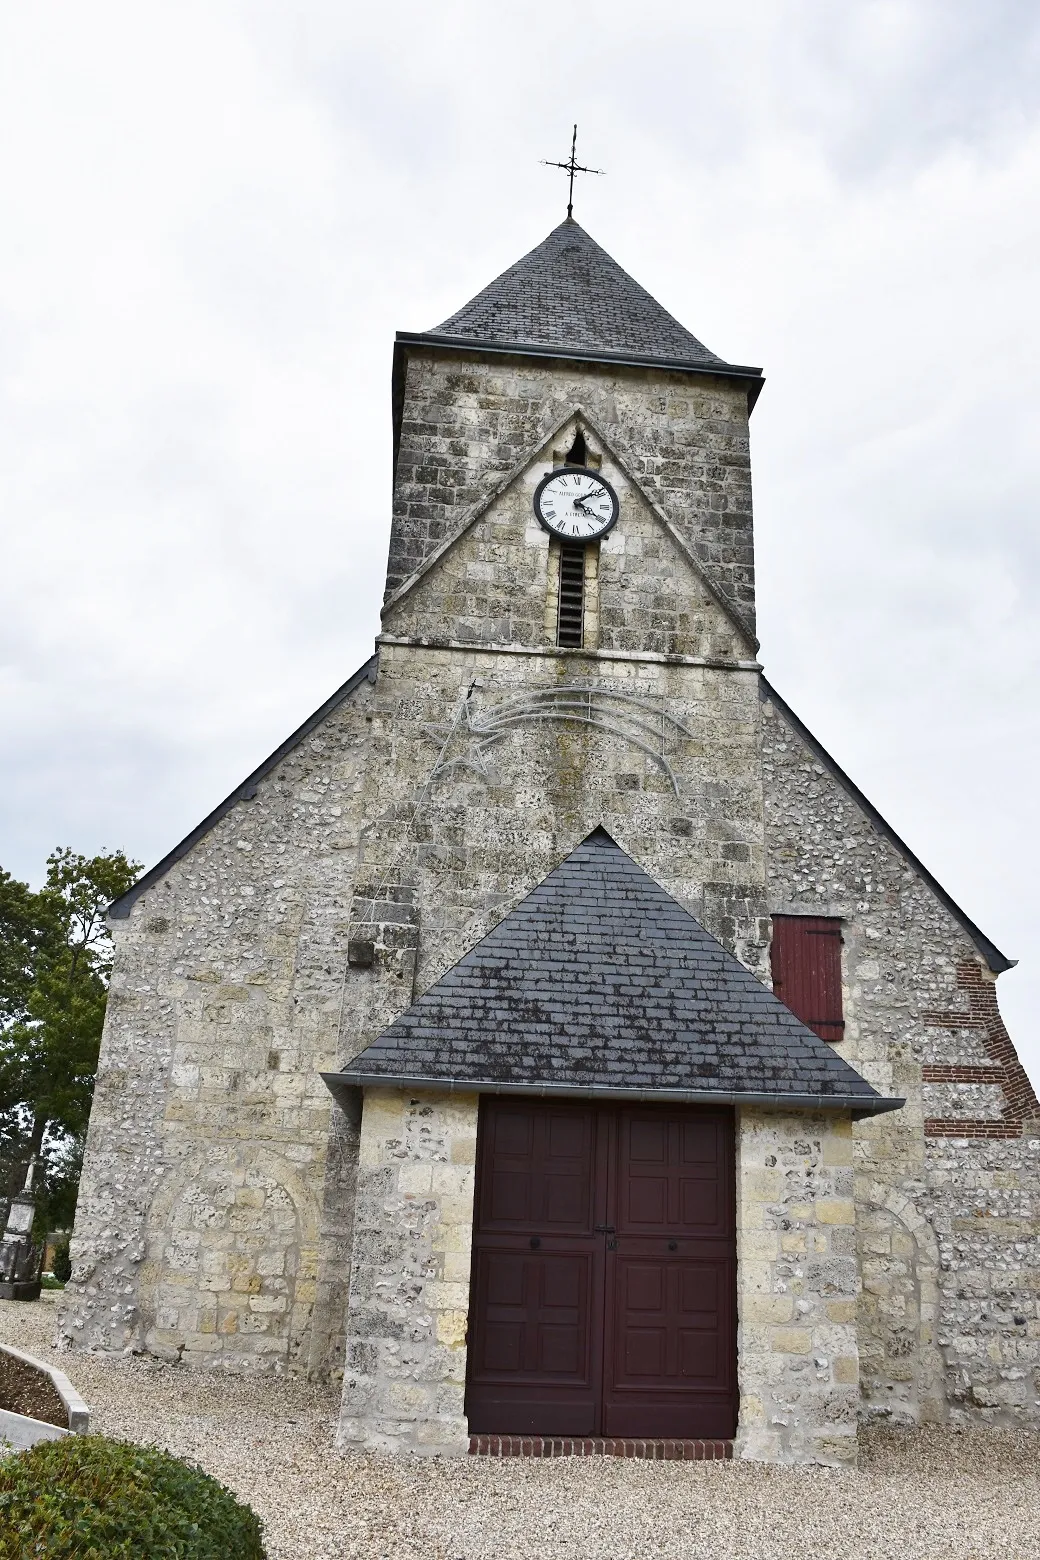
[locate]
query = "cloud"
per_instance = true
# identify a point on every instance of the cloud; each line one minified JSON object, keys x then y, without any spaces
{"x":220,"y":213}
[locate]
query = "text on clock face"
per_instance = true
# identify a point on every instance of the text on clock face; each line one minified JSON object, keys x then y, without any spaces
{"x":576,"y":504}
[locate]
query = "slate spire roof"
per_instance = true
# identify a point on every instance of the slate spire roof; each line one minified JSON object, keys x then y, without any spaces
{"x":569,"y":293}
{"x":600,"y":983}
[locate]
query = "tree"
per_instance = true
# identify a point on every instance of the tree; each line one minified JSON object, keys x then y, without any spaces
{"x":55,"y":961}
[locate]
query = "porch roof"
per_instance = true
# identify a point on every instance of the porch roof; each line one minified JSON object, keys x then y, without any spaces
{"x":599,"y":983}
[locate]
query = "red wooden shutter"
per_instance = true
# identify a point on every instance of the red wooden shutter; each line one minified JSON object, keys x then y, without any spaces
{"x":806,"y":958}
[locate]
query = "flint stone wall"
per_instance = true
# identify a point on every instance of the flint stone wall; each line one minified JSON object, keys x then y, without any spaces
{"x":198,"y":1228}
{"x":948,"y":1226}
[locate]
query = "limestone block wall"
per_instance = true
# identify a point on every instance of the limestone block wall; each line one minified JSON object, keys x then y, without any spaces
{"x":797,"y":1288}
{"x":498,"y":582}
{"x":405,"y":1369}
{"x":468,"y":420}
{"x":948,"y":1189}
{"x":482,"y":782}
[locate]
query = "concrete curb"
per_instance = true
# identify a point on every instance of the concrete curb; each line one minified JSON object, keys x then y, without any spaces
{"x":18,"y":1432}
{"x":21,"y":1431}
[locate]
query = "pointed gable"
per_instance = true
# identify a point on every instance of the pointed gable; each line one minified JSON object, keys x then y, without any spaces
{"x":599,"y":982}
{"x":569,"y":293}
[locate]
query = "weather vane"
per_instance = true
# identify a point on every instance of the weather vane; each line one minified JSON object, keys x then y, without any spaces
{"x":572,"y":167}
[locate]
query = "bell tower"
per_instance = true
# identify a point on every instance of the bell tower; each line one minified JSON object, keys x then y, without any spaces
{"x":569,"y":603}
{"x":565,"y":359}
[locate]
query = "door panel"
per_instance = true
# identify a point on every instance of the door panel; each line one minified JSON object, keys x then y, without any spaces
{"x":536,"y":1339}
{"x":604,"y":1278}
{"x":539,"y":1168}
{"x":670,"y":1313}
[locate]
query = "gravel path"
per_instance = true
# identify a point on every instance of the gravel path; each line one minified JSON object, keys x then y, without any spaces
{"x":918,"y":1495}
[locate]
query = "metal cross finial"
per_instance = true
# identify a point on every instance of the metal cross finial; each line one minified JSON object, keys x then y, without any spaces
{"x":572,"y":167}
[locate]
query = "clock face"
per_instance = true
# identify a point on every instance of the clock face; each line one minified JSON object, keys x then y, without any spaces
{"x":576,"y":504}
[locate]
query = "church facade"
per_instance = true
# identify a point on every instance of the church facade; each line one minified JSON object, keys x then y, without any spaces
{"x":549,"y":1036}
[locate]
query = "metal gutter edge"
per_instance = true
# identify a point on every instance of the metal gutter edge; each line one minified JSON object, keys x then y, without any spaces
{"x":120,"y":908}
{"x":996,"y":961}
{"x":858,"y":1104}
{"x":578,"y":354}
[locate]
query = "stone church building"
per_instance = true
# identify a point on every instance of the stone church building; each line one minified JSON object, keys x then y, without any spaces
{"x":549,"y":1037}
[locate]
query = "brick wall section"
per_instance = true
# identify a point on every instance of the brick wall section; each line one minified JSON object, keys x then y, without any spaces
{"x":598,"y":1446}
{"x":955,"y":1074}
{"x":1019,"y":1099}
{"x":797,"y":1287}
{"x":468,"y":420}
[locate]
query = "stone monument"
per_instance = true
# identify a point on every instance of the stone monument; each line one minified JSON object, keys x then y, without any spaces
{"x":19,"y":1255}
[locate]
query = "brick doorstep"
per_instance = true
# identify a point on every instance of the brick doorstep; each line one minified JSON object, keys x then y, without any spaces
{"x":598,"y":1446}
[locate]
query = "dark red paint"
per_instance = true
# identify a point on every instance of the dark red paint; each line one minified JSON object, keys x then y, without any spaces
{"x":604,"y":1281}
{"x":806,"y":963}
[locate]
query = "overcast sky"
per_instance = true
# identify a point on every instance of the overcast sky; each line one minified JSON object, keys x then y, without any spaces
{"x":215,"y":217}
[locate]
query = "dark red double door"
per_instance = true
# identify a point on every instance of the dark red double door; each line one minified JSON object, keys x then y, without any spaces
{"x":604,"y":1272}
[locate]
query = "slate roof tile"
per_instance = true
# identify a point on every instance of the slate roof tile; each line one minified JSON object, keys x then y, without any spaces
{"x":647,"y":1000}
{"x":568,"y":292}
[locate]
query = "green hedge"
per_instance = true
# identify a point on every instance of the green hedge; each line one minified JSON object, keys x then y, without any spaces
{"x":96,"y":1499}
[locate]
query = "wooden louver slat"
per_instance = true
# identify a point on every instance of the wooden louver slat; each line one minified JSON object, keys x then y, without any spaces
{"x":571,"y":616}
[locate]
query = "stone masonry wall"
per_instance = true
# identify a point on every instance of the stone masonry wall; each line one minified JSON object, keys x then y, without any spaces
{"x":948,"y":1225}
{"x":198,"y":1231}
{"x":797,"y":1278}
{"x":214,"y":1219}
{"x":662,"y":755}
{"x":797,"y":1288}
{"x":214,"y":1222}
{"x":494,"y":585}
{"x":405,"y":1370}
{"x":468,"y":420}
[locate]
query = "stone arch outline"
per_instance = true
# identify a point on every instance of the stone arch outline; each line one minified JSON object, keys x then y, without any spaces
{"x":931,"y":1396}
{"x":245,"y":1160}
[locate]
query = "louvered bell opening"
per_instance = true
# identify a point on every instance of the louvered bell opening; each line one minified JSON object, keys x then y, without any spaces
{"x":572,"y":594}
